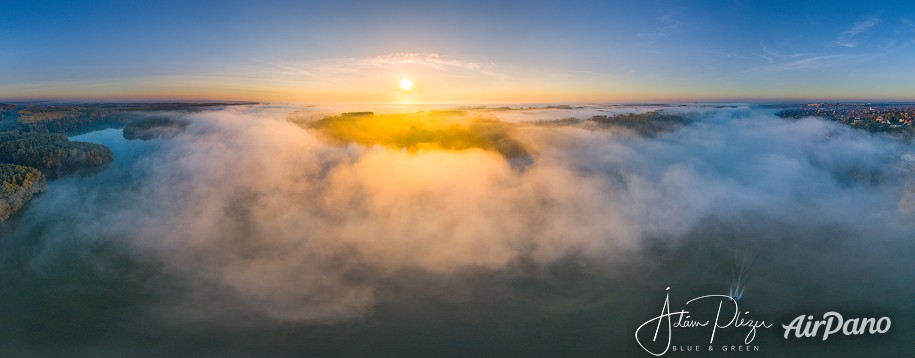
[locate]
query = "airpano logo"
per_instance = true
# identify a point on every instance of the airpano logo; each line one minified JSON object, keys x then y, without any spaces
{"x":833,"y":323}
{"x":655,"y":336}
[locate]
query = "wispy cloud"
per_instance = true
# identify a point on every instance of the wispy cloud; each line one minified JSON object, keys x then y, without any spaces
{"x":433,"y":60}
{"x":668,"y":23}
{"x":333,"y":70}
{"x":781,"y":55}
{"x":846,"y":44}
{"x":807,"y":63}
{"x":784,"y":62}
{"x":848,"y":37}
{"x":908,"y":24}
{"x":288,"y":69}
{"x":771,"y":56}
{"x":769,"y":59}
{"x":862,"y":26}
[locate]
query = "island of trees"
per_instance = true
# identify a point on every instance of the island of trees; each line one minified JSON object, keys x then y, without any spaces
{"x":154,"y":127}
{"x":646,"y":124}
{"x":426,"y":130}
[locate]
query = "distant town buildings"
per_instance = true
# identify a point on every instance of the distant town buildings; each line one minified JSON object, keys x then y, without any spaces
{"x":873,"y":117}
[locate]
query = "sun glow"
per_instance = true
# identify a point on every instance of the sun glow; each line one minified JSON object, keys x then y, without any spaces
{"x":406,"y":84}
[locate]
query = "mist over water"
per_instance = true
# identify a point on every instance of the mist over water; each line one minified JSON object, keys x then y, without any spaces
{"x":247,"y":234}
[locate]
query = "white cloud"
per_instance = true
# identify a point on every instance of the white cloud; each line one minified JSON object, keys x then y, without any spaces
{"x":846,"y":38}
{"x":861,"y":26}
{"x":340,"y":69}
{"x":808,"y":63}
{"x":423,"y":59}
{"x":259,"y":216}
{"x":668,"y":23}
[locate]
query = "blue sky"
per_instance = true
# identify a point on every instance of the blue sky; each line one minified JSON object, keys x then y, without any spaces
{"x":460,"y":51}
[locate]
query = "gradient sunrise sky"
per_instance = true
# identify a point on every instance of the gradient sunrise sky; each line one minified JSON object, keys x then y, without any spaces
{"x":458,"y":51}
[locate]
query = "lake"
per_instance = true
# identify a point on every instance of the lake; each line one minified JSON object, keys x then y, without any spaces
{"x":72,"y":282}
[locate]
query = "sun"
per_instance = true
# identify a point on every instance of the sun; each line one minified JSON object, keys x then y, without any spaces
{"x":406,"y":84}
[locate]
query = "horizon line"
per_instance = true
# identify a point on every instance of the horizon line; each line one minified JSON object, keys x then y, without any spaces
{"x":457,"y":103}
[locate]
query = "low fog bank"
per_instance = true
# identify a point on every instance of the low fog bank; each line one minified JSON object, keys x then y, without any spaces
{"x":263,"y":216}
{"x":245,"y":219}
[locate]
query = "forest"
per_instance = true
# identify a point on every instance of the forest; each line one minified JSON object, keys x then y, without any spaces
{"x":17,"y":185}
{"x":28,"y":159}
{"x":52,"y":153}
{"x":85,"y":117}
{"x":647,"y":124}
{"x":432,"y":130}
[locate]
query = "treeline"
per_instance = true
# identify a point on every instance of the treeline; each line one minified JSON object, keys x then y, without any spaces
{"x":154,"y":127}
{"x":647,"y":124}
{"x":77,"y":122}
{"x":80,"y":118}
{"x":553,"y":122}
{"x":27,"y":159}
{"x":52,"y":153}
{"x":798,"y":113}
{"x":62,"y":121}
{"x":17,"y":185}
